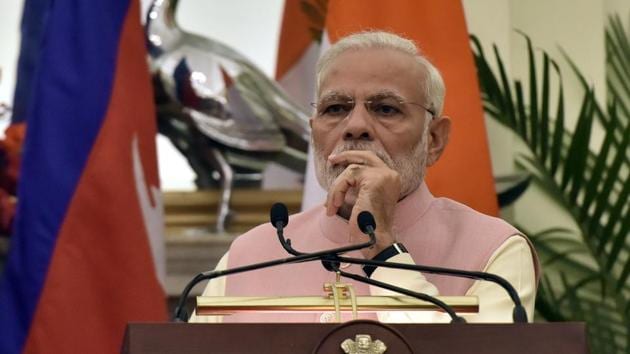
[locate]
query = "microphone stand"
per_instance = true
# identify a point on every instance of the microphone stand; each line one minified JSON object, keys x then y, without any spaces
{"x":519,"y":315}
{"x":328,"y":258}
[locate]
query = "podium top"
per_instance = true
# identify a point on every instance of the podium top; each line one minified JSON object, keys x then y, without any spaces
{"x":225,"y":305}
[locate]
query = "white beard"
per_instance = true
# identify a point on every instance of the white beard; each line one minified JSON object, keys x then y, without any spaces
{"x":411,"y":167}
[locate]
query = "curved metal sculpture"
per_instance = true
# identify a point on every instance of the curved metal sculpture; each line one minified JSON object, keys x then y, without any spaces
{"x":219,"y":110}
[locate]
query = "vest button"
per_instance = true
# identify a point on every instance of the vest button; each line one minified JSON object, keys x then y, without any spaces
{"x":327,"y":317}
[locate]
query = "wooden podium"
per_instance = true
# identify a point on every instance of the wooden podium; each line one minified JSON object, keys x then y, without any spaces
{"x":278,"y":338}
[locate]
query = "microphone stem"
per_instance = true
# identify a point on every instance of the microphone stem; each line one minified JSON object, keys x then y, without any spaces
{"x":286,"y":244}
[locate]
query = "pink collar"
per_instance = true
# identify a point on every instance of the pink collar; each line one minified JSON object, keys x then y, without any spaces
{"x":408,"y":211}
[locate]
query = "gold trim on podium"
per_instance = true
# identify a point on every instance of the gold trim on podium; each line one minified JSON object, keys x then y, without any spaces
{"x":226,"y":305}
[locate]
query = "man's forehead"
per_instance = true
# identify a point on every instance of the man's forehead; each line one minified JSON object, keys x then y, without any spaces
{"x":366,"y":72}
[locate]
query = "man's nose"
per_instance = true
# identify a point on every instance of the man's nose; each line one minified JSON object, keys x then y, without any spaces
{"x":358,"y":124}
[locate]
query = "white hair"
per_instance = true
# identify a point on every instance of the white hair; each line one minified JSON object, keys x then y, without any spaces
{"x":433,"y":85}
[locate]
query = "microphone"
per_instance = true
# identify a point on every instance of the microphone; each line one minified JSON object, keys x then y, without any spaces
{"x":279,"y":215}
{"x":366,"y":222}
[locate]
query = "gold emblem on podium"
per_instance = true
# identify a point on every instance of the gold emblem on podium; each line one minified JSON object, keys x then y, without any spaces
{"x":363,"y":344}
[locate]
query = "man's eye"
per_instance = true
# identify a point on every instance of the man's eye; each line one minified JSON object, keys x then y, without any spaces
{"x":335,"y":110}
{"x":385,"y":110}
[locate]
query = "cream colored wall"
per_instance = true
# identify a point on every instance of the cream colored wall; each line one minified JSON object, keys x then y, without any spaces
{"x":618,"y":6}
{"x":489,"y":21}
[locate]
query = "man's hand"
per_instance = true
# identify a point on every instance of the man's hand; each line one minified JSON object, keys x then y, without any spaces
{"x":368,"y":184}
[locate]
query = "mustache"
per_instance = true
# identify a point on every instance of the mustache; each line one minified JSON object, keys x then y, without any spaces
{"x":379,"y":151}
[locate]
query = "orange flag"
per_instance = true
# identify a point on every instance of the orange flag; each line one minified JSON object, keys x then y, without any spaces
{"x":464,"y":172}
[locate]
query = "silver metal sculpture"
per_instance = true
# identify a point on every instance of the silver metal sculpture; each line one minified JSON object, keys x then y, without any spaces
{"x":219,"y":110}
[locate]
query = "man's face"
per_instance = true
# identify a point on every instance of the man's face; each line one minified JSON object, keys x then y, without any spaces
{"x":381,"y":77}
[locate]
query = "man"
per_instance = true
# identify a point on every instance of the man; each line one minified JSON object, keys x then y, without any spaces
{"x":378,"y":124}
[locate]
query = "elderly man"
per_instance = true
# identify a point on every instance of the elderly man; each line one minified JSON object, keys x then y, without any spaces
{"x":378,"y":125}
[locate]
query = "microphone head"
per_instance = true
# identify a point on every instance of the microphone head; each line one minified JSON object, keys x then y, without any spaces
{"x":364,"y":220}
{"x":279,"y":213}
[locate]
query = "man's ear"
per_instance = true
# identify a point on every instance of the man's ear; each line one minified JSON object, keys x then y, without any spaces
{"x":439,"y":131}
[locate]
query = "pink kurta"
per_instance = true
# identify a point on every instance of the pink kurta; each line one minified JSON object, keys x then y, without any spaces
{"x":436,"y":231}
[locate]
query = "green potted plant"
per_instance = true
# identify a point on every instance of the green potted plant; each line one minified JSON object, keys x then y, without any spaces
{"x":586,"y":269}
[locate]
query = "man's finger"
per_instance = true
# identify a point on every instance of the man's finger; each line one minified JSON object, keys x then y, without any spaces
{"x":359,"y":157}
{"x":337,"y":192}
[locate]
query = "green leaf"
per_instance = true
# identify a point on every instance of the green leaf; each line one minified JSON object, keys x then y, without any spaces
{"x":558,"y":132}
{"x":544,"y":111}
{"x":614,"y":213}
{"x":522,"y":116}
{"x":624,"y":275}
{"x":572,"y":289}
{"x":548,"y":233}
{"x":546,"y":302}
{"x":564,"y":255}
{"x":576,"y":156}
{"x":620,"y":69}
{"x":620,"y":43}
{"x":568,"y":264}
{"x":533,"y":95}
{"x":491,"y":88}
{"x":506,"y":98}
{"x":602,"y":201}
{"x":597,"y":172}
{"x":621,"y":239}
{"x":616,"y":93}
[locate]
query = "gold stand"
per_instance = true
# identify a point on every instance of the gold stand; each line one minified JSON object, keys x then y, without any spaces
{"x":338,"y":291}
